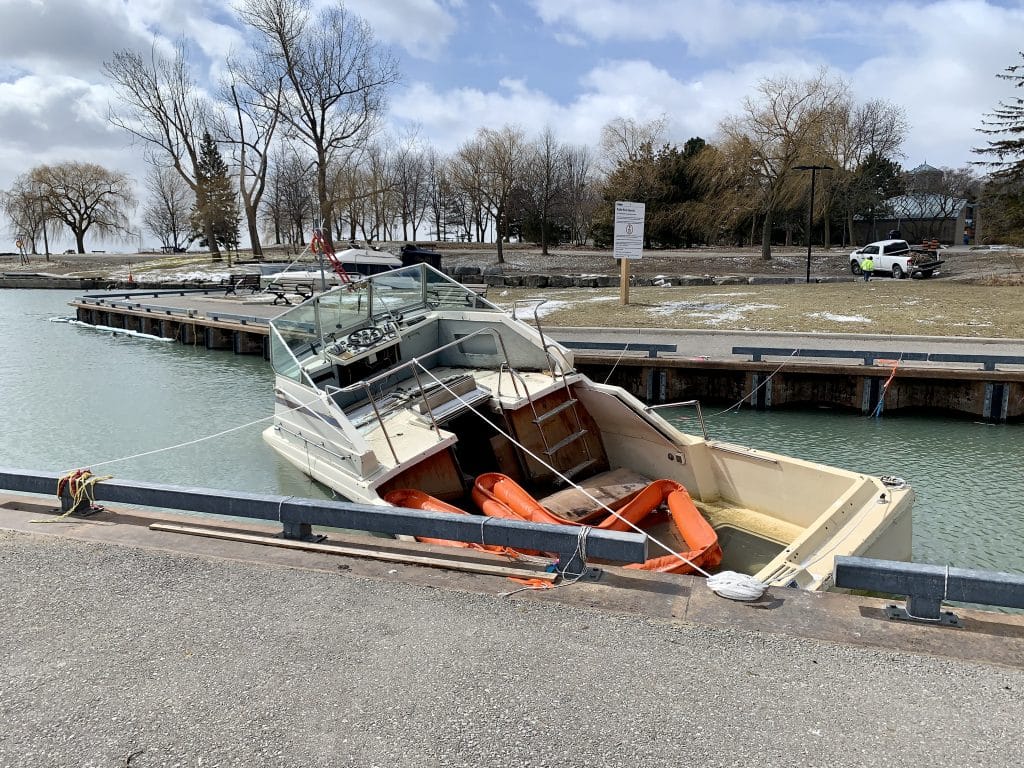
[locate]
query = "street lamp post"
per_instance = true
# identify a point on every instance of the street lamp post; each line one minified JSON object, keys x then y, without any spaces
{"x":810,"y":208}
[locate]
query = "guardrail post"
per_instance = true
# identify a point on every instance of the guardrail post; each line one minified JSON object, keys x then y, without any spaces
{"x":299,"y":532}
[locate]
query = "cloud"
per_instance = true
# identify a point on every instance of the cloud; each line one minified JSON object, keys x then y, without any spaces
{"x":704,"y":26}
{"x":421,"y":27}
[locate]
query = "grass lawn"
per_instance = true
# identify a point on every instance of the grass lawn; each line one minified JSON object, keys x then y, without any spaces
{"x":903,"y":307}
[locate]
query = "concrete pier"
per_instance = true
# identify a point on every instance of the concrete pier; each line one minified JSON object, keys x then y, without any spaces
{"x":124,"y":646}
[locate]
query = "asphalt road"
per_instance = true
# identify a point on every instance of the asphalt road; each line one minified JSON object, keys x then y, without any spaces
{"x":118,"y":656}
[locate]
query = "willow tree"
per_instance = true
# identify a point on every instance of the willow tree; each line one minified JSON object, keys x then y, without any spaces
{"x":779,"y":129}
{"x":334,"y":80}
{"x":86,"y":196}
{"x":28,"y":213}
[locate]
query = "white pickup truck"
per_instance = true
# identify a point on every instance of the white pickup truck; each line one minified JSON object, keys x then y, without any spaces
{"x":897,"y":258}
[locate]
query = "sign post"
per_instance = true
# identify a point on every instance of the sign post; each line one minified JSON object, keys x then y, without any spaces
{"x":629,"y":240}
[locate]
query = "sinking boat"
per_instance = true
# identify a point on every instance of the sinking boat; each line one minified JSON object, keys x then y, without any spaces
{"x":410,"y":380}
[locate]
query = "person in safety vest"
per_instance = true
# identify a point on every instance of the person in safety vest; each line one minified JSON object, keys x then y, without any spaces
{"x":867,"y":266}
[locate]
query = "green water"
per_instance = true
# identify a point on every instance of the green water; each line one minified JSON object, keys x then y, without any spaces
{"x":74,"y":397}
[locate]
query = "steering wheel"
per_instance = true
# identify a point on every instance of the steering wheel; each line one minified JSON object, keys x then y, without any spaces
{"x":365,"y":337}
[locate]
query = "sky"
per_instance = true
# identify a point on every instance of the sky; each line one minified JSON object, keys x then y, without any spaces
{"x":572,"y":65}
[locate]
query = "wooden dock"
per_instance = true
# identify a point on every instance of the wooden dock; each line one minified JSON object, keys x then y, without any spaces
{"x":663,"y":366}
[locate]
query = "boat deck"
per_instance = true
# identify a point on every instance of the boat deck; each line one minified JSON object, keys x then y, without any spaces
{"x":404,"y":430}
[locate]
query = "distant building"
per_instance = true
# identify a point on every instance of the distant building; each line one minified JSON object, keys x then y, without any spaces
{"x":925,"y":212}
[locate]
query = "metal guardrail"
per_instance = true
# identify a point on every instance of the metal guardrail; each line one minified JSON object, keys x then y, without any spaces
{"x":652,"y":350}
{"x":988,"y":362}
{"x":107,"y":295}
{"x":297,"y":515}
{"x":242,"y":319}
{"x":927,"y":586}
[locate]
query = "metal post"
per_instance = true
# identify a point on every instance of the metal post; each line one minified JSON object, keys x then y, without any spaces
{"x":810,"y":224}
{"x":810,"y":208}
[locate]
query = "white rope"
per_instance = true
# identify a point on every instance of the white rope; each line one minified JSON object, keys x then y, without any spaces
{"x":736,"y":586}
{"x":750,"y":395}
{"x":619,"y":360}
{"x":731,"y":576}
{"x":204,"y":438}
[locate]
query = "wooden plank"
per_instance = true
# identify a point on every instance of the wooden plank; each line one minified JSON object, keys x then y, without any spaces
{"x":614,"y":488}
{"x":350,"y":551}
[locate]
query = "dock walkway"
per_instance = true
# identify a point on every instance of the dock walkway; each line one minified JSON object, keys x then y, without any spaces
{"x":125,"y":646}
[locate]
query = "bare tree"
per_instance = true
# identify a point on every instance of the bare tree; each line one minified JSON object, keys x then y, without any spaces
{"x":86,"y":196}
{"x":163,"y":108}
{"x":438,"y":188}
{"x":167,"y":213}
{"x":256,"y":112}
{"x":545,"y":181}
{"x":854,"y":133}
{"x":623,"y":139}
{"x":411,"y":184}
{"x":289,"y":205}
{"x":488,"y":167}
{"x":335,"y":79}
{"x":782,"y":128}
{"x":581,"y":192}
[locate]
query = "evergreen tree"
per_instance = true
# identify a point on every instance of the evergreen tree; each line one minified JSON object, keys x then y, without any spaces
{"x":1004,"y":192}
{"x":216,"y":216}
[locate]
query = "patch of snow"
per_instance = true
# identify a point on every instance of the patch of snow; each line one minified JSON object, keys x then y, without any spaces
{"x":838,"y":318}
{"x":711,"y":313}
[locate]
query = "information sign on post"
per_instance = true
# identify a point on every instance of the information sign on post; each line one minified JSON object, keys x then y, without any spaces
{"x":629,"y":240}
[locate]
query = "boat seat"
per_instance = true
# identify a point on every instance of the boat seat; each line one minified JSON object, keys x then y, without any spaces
{"x":614,"y":488}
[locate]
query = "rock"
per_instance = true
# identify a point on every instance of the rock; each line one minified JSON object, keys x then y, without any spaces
{"x":691,"y":280}
{"x":559,"y":281}
{"x":464,"y":271}
{"x":494,"y":269}
{"x":770,"y":280}
{"x":535,"y":281}
{"x":729,"y":280}
{"x":585,"y":282}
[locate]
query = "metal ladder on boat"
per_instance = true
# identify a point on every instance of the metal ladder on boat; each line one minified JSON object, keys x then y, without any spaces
{"x":541,"y":418}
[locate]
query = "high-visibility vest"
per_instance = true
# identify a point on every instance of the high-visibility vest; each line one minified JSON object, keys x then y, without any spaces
{"x":868,"y":265}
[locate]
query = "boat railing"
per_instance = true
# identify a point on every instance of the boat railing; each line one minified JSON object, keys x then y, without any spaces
{"x":414,"y":364}
{"x":537,"y":303}
{"x":682,"y":404}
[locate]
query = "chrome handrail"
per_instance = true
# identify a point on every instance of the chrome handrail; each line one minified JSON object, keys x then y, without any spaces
{"x":696,"y":403}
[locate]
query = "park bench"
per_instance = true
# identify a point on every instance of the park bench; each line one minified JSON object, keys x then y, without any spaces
{"x":283,"y":288}
{"x":445,"y":293}
{"x":248,"y":280}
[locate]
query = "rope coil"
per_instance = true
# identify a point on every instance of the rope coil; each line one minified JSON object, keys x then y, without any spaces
{"x":80,"y":486}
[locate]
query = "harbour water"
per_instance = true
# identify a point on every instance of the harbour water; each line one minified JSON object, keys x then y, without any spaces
{"x":75,"y":397}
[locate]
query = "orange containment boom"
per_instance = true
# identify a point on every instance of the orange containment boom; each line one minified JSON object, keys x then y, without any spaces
{"x":413,"y":499}
{"x":500,"y":496}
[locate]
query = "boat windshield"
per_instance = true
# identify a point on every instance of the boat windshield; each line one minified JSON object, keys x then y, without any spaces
{"x":386,"y":295}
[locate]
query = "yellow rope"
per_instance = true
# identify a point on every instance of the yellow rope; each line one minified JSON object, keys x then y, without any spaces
{"x":81,"y":487}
